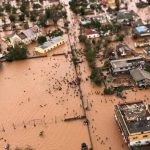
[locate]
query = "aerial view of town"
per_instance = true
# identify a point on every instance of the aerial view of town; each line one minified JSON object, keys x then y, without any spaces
{"x":74,"y":74}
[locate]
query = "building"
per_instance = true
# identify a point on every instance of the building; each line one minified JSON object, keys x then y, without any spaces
{"x":29,"y":35}
{"x":91,"y":33}
{"x":50,"y":45}
{"x":26,"y":36}
{"x":126,"y":17}
{"x":142,"y":43}
{"x":142,"y":31}
{"x":85,"y":21}
{"x":125,"y":65}
{"x":134,"y":123}
{"x":141,"y":77}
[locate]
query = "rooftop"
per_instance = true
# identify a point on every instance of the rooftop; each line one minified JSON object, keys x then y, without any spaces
{"x":139,"y":74}
{"x":29,"y":32}
{"x":141,"y":29}
{"x":134,"y":116}
{"x":90,"y":31}
{"x":124,"y":62}
{"x":51,"y":42}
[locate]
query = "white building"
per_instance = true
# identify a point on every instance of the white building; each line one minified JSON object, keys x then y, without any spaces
{"x":26,"y":36}
{"x":50,"y":45}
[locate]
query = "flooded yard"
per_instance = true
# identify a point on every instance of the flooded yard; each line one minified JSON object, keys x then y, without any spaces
{"x":36,"y":95}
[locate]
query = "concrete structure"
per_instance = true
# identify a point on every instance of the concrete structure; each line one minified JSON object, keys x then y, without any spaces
{"x":141,"y":77}
{"x":134,"y":122}
{"x":125,"y":65}
{"x":50,"y":45}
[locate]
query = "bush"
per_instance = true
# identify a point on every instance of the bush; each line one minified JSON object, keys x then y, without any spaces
{"x":147,"y":68}
{"x":56,"y":33}
{"x":119,"y":37}
{"x":108,"y":91}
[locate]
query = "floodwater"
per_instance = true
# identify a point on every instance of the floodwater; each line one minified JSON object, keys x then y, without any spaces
{"x":36,"y":95}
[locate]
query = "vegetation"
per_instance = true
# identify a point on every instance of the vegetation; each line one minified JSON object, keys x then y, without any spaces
{"x":12,"y":18}
{"x":7,"y":7}
{"x":147,"y":68}
{"x":36,"y":6}
{"x":21,"y":17}
{"x":33,"y":15}
{"x":78,"y":7}
{"x":108,"y":91}
{"x":42,"y":39}
{"x":91,"y":48}
{"x":113,"y":28}
{"x":54,"y":13}
{"x":56,"y":33}
{"x":96,"y":76}
{"x":82,"y":38}
{"x":119,"y":37}
{"x":18,"y":52}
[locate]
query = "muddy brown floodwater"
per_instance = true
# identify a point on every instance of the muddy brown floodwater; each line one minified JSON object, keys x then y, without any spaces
{"x":35,"y":96}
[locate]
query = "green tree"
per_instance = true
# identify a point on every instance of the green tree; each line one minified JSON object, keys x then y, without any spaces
{"x":147,"y":67}
{"x":56,"y":33}
{"x":82,"y":11}
{"x":41,"y":39}
{"x":36,"y":6}
{"x":96,"y":76}
{"x":19,"y":51}
{"x":14,"y":10}
{"x":55,"y":13}
{"x":82,"y":38}
{"x":23,"y":8}
{"x":7,"y":7}
{"x":119,"y":37}
{"x":43,"y":20}
{"x":108,"y":91}
{"x":21,"y":17}
{"x":12,"y":18}
{"x":33,"y":15}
